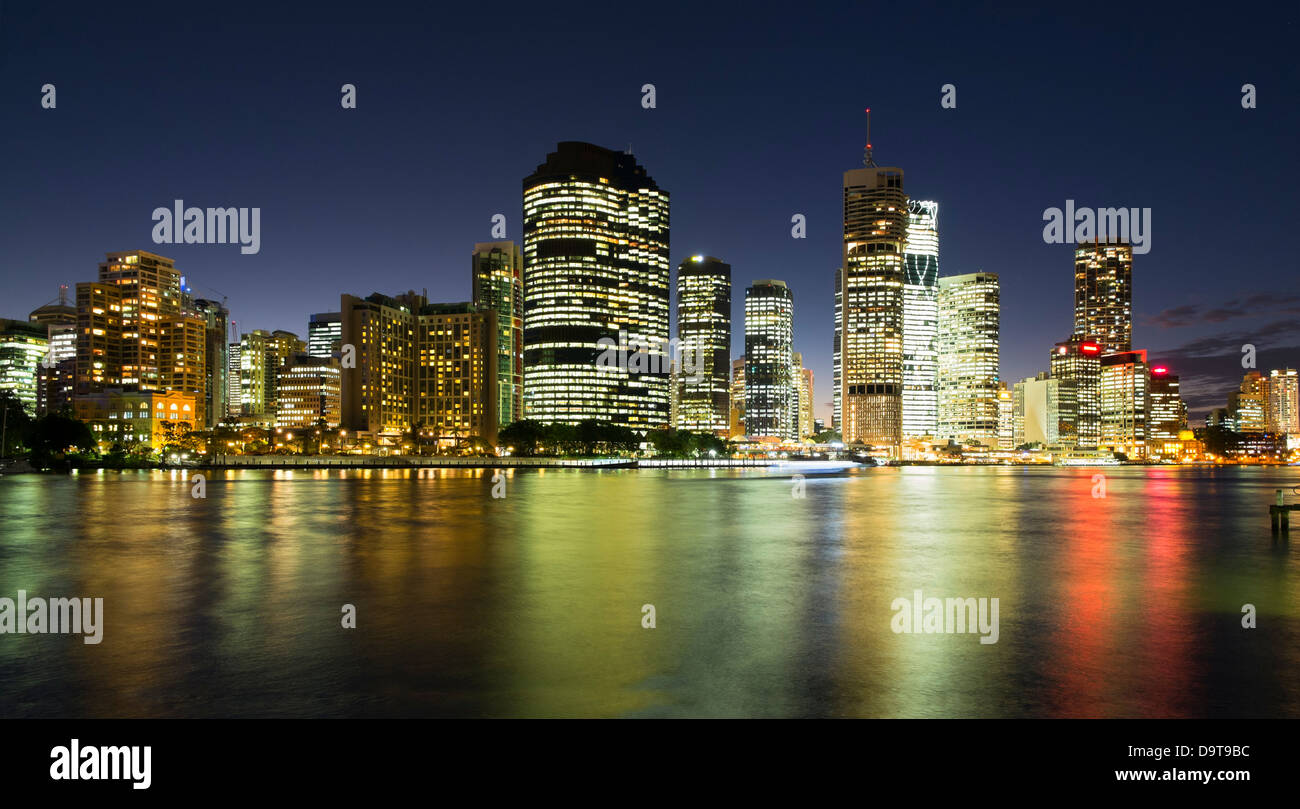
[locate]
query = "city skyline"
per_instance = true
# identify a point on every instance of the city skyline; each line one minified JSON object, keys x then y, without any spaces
{"x":420,"y":205}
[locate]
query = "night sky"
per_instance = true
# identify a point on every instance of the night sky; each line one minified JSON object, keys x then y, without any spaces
{"x":759,"y":112}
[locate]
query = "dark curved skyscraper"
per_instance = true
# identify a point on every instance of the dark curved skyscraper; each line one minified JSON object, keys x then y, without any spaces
{"x":596,"y":278}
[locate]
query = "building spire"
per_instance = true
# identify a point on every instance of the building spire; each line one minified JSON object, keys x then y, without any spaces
{"x":866,"y":153}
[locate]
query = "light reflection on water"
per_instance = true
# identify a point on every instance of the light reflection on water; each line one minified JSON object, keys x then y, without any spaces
{"x":767,"y":605}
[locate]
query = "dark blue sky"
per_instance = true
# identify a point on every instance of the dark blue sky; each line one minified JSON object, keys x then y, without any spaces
{"x":759,"y":112}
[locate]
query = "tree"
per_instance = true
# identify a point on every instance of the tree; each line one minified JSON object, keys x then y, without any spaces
{"x":52,"y":436}
{"x":16,"y":423}
{"x":522,"y":436}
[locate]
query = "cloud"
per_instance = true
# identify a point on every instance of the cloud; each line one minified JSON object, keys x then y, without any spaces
{"x":1209,"y":368}
{"x":1262,"y":304}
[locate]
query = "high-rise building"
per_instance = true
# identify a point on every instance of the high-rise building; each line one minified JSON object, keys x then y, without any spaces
{"x":234,"y":392}
{"x":23,"y":345}
{"x":498,"y":282}
{"x":920,"y":319}
{"x":1167,"y":415}
{"x":596,"y":282}
{"x":324,"y":334}
{"x":420,"y":366}
{"x":1077,"y":364}
{"x":769,"y":360}
{"x":456,"y":364}
{"x":118,"y":321}
{"x":56,"y":374}
{"x":1103,"y":295}
{"x":1037,"y":414}
{"x":737,"y":419}
{"x":1248,"y":404}
{"x":1283,"y":402}
{"x":835,"y":351}
{"x":1125,"y":404}
{"x":308,"y":392}
{"x":871,"y":339}
{"x":968,"y":358}
{"x":183,"y":360}
{"x":806,"y":403}
{"x":1006,"y":417}
{"x":262,"y":355}
{"x":216,"y":394}
{"x":704,"y":337}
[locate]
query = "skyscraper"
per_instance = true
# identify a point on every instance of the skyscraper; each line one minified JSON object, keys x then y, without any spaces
{"x":498,"y":283}
{"x":234,"y":393}
{"x":1125,"y":404}
{"x":1077,"y":364}
{"x":324,"y":330}
{"x":704,"y":337}
{"x":920,"y":319}
{"x":807,"y":390}
{"x":769,"y":360}
{"x":308,"y":392}
{"x":968,"y":358}
{"x":183,"y":363}
{"x":871,"y":339}
{"x":216,"y":394}
{"x":1165,"y":421}
{"x":23,"y":345}
{"x":596,"y":282}
{"x":56,"y":374}
{"x":1284,"y":402}
{"x":1248,"y":404}
{"x":119,"y":318}
{"x":1103,"y":295}
{"x":836,"y":369}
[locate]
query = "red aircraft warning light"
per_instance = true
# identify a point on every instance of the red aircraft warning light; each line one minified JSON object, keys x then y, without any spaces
{"x":1090,"y":348}
{"x":1160,"y":370}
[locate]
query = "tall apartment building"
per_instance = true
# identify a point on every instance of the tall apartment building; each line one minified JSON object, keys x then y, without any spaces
{"x":428,"y":367}
{"x":704,"y":337}
{"x":1103,"y":295}
{"x":968,"y":358}
{"x":596,"y":278}
{"x":836,"y":369}
{"x":769,"y":360}
{"x":920,"y":319}
{"x":261,"y":356}
{"x":183,"y":361}
{"x":871,"y":339}
{"x":216,"y":391}
{"x":1125,"y":391}
{"x":498,"y":284}
{"x":1077,"y":364}
{"x":1248,"y":405}
{"x":1284,"y":402}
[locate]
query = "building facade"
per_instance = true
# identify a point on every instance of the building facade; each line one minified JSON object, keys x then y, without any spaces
{"x":1103,"y":295}
{"x":920,"y":319}
{"x":769,"y":360}
{"x":596,"y":282}
{"x":871,"y":338}
{"x":498,"y":284}
{"x":968,"y":358}
{"x":704,"y":338}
